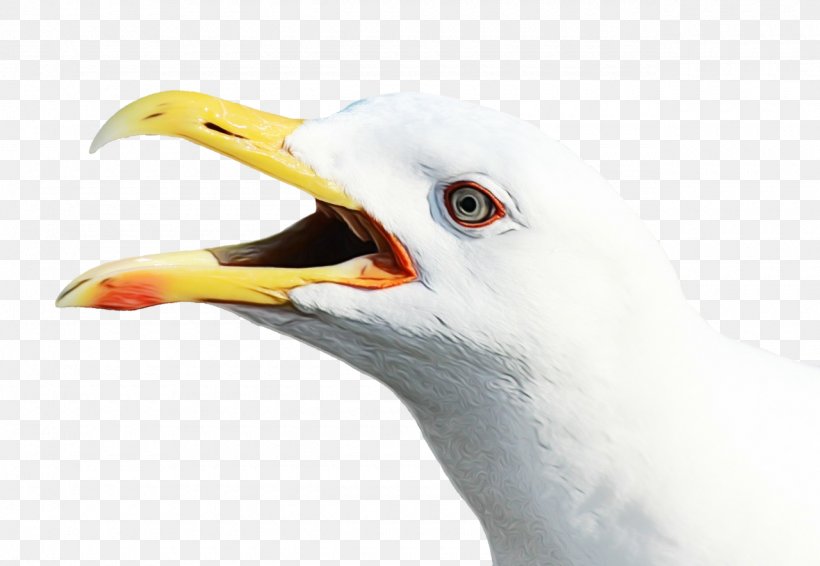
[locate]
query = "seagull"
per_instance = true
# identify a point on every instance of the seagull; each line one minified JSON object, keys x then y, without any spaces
{"x":524,"y":315}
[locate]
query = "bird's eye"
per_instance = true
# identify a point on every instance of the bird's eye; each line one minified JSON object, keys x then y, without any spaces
{"x":472,"y":205}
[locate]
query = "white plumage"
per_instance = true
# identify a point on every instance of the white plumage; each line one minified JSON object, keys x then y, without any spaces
{"x":584,"y":411}
{"x":580,"y":406}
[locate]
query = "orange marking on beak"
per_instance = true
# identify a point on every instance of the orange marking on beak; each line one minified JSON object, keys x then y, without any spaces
{"x":129,"y":292}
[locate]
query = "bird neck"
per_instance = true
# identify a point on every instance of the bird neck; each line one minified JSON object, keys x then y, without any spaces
{"x":536,"y":441}
{"x":514,"y":458}
{"x":498,"y":452}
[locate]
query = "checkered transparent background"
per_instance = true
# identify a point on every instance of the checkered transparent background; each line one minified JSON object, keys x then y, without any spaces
{"x":181,"y":435}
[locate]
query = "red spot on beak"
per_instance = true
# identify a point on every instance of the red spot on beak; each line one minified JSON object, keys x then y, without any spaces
{"x":129,"y":292}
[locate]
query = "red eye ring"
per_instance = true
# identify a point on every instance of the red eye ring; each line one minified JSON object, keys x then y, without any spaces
{"x":496,"y":208}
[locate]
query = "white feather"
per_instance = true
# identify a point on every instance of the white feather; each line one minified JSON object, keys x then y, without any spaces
{"x":584,"y":411}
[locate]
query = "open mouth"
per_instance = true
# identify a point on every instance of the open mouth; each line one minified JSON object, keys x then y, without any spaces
{"x":332,"y":235}
{"x":338,"y":243}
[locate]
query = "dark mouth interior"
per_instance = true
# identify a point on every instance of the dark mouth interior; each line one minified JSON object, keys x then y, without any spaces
{"x":329,"y":236}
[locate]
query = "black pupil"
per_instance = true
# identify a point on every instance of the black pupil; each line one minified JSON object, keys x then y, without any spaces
{"x":468,"y":203}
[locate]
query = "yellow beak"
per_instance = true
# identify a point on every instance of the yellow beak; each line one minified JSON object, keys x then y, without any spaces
{"x":245,"y":273}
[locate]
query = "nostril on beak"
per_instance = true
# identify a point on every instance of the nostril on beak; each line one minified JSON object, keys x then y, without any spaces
{"x":220,"y":129}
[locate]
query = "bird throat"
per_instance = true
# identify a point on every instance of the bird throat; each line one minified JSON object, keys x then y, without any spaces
{"x":489,"y":425}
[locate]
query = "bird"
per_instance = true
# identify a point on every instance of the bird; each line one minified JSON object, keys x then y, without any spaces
{"x":525,"y":316}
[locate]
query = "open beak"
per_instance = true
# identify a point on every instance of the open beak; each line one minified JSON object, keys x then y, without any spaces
{"x":339,"y":243}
